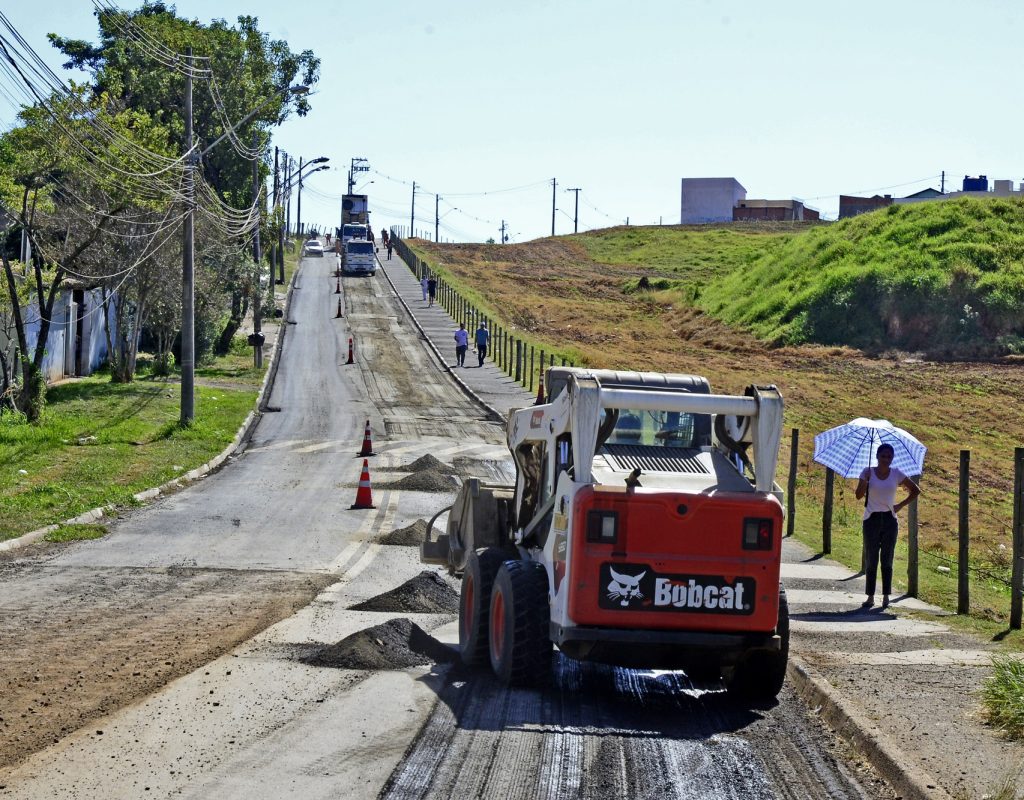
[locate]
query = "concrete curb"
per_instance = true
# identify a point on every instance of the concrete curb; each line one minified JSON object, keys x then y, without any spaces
{"x":498,"y":416}
{"x":242,"y":436}
{"x":854,"y":726}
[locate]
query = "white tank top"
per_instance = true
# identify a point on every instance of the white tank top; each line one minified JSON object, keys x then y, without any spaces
{"x":881,"y":493}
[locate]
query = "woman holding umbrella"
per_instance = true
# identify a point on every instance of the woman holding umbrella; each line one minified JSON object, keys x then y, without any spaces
{"x":879,"y":485}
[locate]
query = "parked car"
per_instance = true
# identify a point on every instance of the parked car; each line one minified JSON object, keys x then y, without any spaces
{"x":313,"y":248}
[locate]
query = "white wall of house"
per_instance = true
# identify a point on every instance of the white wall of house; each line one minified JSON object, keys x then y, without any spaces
{"x":706,"y":200}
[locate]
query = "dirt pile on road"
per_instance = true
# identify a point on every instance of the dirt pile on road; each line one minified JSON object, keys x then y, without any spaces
{"x":396,"y":644}
{"x":427,"y":593}
{"x":427,"y":474}
{"x":409,"y":536}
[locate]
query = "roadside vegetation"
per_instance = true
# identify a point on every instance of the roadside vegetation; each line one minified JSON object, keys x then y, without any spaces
{"x":584,"y":296}
{"x":1003,"y":695}
{"x":99,"y":442}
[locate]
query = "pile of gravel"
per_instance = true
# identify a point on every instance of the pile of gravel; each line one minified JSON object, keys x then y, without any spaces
{"x":395,"y":644}
{"x":427,"y":593}
{"x":427,"y":462}
{"x":428,"y":480}
{"x":409,"y":536}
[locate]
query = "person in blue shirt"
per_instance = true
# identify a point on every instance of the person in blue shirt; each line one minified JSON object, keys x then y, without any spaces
{"x":483,"y":338}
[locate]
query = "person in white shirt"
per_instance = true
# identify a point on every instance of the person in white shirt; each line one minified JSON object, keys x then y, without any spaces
{"x":423,"y":285}
{"x":878,"y":485}
{"x":461,"y":345}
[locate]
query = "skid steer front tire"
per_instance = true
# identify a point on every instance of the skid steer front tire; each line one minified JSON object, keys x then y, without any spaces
{"x":475,"y":602}
{"x":520,"y":615}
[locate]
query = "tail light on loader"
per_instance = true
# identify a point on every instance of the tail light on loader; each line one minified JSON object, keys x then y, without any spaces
{"x":757,"y":534}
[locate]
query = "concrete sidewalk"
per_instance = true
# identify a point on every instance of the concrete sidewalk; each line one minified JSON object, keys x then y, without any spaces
{"x":899,"y":684}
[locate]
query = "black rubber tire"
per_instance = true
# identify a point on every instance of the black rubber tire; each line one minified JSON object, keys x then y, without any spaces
{"x":520,"y":644}
{"x":474,"y":604}
{"x":759,"y":676}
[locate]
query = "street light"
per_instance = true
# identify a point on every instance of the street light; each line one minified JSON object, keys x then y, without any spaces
{"x":188,"y":278}
{"x":298,"y":210}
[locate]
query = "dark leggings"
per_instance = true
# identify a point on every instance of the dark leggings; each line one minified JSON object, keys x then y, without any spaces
{"x":880,"y":531}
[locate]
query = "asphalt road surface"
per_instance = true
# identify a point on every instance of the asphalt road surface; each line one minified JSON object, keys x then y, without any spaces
{"x":183,"y":654}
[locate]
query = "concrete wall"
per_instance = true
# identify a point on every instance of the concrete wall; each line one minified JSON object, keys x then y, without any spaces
{"x":706,"y":200}
{"x":851,"y":205}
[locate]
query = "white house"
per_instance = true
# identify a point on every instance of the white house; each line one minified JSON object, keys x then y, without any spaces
{"x":709,"y":200}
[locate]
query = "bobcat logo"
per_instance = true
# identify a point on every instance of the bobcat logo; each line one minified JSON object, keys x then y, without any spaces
{"x":625,"y":587}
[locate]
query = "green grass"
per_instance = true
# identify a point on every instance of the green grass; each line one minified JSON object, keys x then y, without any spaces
{"x":99,"y":442}
{"x":946,"y":278}
{"x":1003,"y":695}
{"x":77,"y":532}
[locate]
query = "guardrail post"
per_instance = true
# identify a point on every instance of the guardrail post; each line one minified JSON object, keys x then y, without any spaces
{"x":519,"y":360}
{"x":1017,"y":572}
{"x":912,"y":547}
{"x":531,"y":367}
{"x":963,"y":596}
{"x":791,"y":486}
{"x":826,"y":512}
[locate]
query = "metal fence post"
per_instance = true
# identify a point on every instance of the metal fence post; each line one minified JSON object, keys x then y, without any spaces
{"x":791,"y":487}
{"x":531,"y":367}
{"x":912,"y":563}
{"x":963,"y":597}
{"x":826,"y":512}
{"x":1017,"y":572}
{"x":519,"y":360}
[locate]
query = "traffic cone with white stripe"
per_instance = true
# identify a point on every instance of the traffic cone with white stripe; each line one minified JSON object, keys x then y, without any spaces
{"x":367,"y":444}
{"x":364,"y":497}
{"x":351,"y":360}
{"x":540,"y":392}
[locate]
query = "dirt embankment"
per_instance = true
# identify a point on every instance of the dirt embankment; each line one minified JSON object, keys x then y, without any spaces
{"x":79,"y":643}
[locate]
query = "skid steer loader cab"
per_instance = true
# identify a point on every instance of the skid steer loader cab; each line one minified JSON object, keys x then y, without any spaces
{"x":644,"y":530}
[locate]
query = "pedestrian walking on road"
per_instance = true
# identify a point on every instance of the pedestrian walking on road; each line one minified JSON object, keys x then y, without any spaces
{"x":461,"y":345}
{"x":424,"y":286}
{"x":391,"y":245}
{"x":877,"y":487}
{"x":384,"y":236}
{"x":431,"y":290}
{"x":483,"y":338}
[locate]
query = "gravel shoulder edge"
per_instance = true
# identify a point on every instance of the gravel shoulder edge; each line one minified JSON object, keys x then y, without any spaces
{"x":856,"y":728}
{"x":241,"y":437}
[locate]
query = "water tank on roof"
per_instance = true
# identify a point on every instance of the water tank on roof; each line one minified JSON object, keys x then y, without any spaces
{"x":979,"y":184}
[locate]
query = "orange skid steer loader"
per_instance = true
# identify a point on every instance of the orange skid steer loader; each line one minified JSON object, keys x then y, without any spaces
{"x":643,"y":530}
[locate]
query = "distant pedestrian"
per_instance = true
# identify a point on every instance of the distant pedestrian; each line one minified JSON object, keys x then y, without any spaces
{"x":328,"y":237}
{"x":384,"y":236}
{"x":461,"y":345}
{"x":483,"y":338}
{"x":390,"y":248}
{"x":431,"y":290}
{"x":424,"y":286}
{"x":878,"y":487}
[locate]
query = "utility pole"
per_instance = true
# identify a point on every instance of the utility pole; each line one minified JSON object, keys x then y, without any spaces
{"x":257,"y":348}
{"x":412,"y":215}
{"x":553,"y":185}
{"x":356,"y":165}
{"x":188,"y":281}
{"x":289,"y":166}
{"x":942,"y":190}
{"x":576,"y":214}
{"x":298,"y":203}
{"x":437,"y":219}
{"x":274,"y":249}
{"x":504,"y":238}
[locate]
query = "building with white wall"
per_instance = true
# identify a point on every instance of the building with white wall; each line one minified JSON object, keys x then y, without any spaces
{"x":706,"y":200}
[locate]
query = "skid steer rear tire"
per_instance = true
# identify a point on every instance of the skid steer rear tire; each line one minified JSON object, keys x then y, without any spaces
{"x":475,"y":602}
{"x":520,"y":615}
{"x":760,"y":675}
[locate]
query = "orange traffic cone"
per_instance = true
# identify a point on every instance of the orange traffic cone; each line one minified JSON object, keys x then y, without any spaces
{"x":351,"y":360}
{"x":540,"y":392}
{"x":367,"y":444}
{"x":337,"y":288}
{"x":339,"y":314}
{"x":364,"y":498}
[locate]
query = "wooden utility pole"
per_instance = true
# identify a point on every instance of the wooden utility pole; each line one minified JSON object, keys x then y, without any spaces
{"x":963,"y":596}
{"x":412,"y":214}
{"x":188,"y":275}
{"x":554,"y":184}
{"x":576,"y":213}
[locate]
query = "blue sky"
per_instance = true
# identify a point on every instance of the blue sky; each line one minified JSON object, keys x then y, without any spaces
{"x":805,"y":100}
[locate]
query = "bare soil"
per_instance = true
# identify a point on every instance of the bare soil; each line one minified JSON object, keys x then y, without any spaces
{"x":131,"y":631}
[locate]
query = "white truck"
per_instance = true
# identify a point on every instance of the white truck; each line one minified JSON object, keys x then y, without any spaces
{"x":358,"y":257}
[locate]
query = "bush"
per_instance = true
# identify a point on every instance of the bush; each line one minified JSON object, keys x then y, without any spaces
{"x":1003,"y":695}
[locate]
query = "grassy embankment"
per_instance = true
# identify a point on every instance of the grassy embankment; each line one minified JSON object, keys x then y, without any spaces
{"x":709,"y":311}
